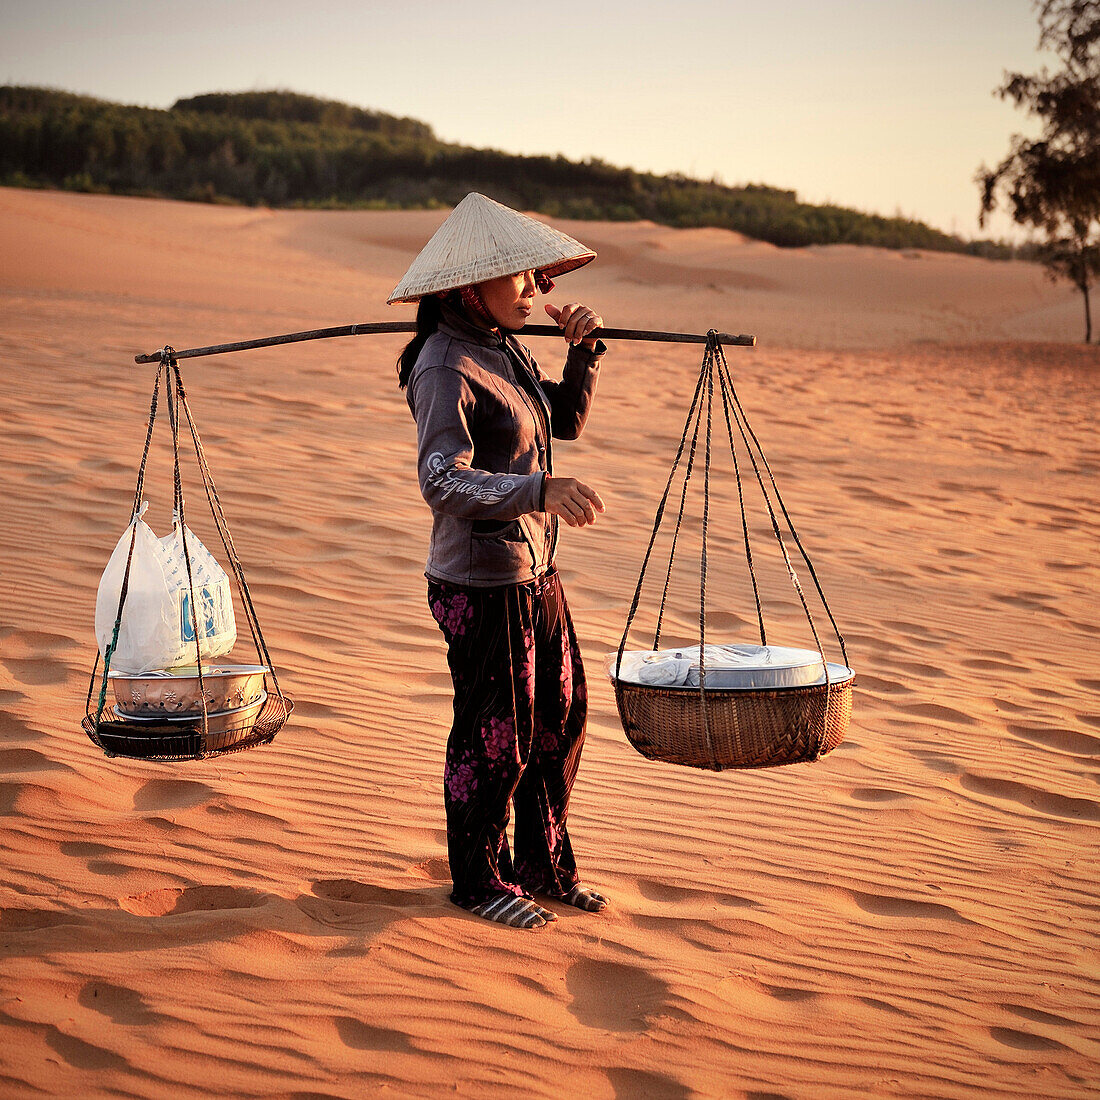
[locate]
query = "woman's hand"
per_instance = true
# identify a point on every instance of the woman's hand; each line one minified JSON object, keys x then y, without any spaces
{"x":571,"y":499}
{"x":576,"y":321}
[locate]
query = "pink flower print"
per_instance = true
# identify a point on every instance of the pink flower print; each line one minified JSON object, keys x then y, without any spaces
{"x":527,"y":671}
{"x":499,"y":736}
{"x":461,"y":781}
{"x":566,"y":681}
{"x":546,"y":737}
{"x":458,"y":614}
{"x":553,"y":828}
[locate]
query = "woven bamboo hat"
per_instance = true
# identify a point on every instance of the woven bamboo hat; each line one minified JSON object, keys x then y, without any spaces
{"x":481,"y":239}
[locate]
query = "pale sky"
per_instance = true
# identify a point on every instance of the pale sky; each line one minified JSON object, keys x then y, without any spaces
{"x":881,"y":105}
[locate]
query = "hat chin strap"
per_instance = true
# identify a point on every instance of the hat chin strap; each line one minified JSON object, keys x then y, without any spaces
{"x":475,"y":306}
{"x":472,"y":301}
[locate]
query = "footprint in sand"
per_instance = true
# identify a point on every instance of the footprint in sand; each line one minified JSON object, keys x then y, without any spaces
{"x":122,"y":1005}
{"x":881,"y":684}
{"x":1062,"y":740}
{"x":363,"y":893}
{"x":935,"y":762}
{"x":15,"y":729}
{"x":28,"y":760}
{"x":171,"y":794}
{"x":360,"y":1036}
{"x":1046,"y":802}
{"x":615,"y":996}
{"x":882,"y":905}
{"x":1037,"y":1016}
{"x":642,"y":1082}
{"x":10,"y":796}
{"x":40,"y":671}
{"x":436,"y":868}
{"x":705,"y":933}
{"x":30,"y":920}
{"x":193,"y":899}
{"x":655,"y":890}
{"x":1024,"y":1040}
{"x":340,"y":903}
{"x":939,"y":712}
{"x":82,"y":1055}
{"x":876,"y":794}
{"x":791,"y":993}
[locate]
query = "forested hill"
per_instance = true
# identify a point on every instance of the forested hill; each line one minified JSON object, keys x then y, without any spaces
{"x":285,"y":149}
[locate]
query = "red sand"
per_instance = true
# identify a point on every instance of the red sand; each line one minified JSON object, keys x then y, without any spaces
{"x":915,"y":915}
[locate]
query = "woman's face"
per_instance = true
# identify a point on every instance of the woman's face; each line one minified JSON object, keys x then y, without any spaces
{"x":510,"y":298}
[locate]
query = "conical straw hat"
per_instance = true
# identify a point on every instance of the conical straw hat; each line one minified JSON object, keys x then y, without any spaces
{"x":481,"y":239}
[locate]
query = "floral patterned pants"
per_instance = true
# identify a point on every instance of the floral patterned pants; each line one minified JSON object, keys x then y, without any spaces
{"x":519,"y":715}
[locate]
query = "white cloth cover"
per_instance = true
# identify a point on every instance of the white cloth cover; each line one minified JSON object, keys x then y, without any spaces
{"x":729,"y":667}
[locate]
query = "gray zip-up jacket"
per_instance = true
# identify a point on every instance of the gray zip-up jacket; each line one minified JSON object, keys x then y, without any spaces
{"x":485,"y":416}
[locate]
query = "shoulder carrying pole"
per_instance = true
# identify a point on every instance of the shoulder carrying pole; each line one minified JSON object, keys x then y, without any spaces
{"x":376,"y":327}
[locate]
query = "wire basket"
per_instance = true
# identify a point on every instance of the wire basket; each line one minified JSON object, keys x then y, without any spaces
{"x":743,"y":729}
{"x":175,"y":740}
{"x":197,"y":736}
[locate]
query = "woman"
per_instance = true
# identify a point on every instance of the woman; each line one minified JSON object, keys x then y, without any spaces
{"x":485,"y":419}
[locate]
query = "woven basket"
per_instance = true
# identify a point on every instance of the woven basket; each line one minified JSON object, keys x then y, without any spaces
{"x":748,"y":729}
{"x":185,"y":740}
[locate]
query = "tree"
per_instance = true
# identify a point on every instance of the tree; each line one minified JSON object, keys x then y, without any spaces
{"x":1052,"y":182}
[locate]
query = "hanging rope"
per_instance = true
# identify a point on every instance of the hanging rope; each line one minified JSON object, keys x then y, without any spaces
{"x":227,"y":539}
{"x":708,"y":357}
{"x":714,"y":367}
{"x":786,"y":515}
{"x":134,"y":516}
{"x":176,"y":400}
{"x":657,"y":522}
{"x":744,"y":516}
{"x":679,"y":522}
{"x":178,"y":511}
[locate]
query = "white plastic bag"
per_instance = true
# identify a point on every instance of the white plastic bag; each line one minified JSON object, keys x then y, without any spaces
{"x":157,"y":630}
{"x":213,"y":593}
{"x":148,"y":638}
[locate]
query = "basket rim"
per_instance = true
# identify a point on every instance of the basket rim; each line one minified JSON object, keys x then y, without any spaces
{"x":735,"y":693}
{"x":181,"y":742}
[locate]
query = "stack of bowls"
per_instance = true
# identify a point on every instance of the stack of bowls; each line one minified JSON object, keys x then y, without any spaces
{"x":234,"y":697}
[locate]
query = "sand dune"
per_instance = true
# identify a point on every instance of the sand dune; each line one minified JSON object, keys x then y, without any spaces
{"x":915,"y":915}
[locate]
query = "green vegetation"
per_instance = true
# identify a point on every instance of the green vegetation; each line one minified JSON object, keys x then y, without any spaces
{"x":284,"y":149}
{"x":1052,"y":183}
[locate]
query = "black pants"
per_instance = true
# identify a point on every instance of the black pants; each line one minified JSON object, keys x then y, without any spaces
{"x":519,"y":715}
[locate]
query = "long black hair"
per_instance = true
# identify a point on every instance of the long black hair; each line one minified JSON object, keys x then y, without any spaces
{"x":428,"y":314}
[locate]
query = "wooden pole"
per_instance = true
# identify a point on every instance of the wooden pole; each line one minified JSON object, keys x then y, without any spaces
{"x":375,"y":327}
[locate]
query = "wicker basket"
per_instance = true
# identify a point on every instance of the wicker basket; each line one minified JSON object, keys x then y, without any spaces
{"x":748,"y":729}
{"x":174,"y":740}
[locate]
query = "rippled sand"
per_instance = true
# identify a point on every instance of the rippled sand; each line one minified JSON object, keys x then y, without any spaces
{"x":915,"y":915}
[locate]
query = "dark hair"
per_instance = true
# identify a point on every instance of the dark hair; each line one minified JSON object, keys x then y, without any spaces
{"x":428,"y":314}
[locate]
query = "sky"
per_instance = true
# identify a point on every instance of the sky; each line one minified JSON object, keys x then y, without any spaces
{"x":886,"y":106}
